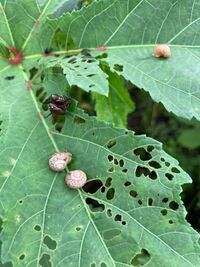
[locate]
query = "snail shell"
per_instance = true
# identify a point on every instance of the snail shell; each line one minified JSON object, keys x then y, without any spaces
{"x":162,"y":50}
{"x":59,"y":161}
{"x":76,"y":179}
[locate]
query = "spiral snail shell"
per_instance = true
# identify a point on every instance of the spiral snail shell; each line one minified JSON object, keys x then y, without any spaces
{"x":59,"y":161}
{"x":76,"y":179}
{"x":162,"y":50}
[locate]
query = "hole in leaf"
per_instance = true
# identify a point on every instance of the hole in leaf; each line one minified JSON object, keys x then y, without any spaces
{"x":110,"y":158}
{"x":124,"y":170}
{"x":144,"y":155}
{"x":167,"y":164}
{"x":162,"y":159}
{"x":45,"y":260}
{"x":163,"y":212}
{"x":109,"y":213}
{"x":140,"y":202}
{"x":150,"y":201}
{"x":21,"y":257}
{"x":90,"y":75}
{"x":37,"y":227}
{"x":111,"y":170}
{"x":103,"y":189}
{"x":121,"y":163}
{"x":154,"y":164}
{"x":108,"y":182}
{"x":78,"y":120}
{"x":173,"y":205}
{"x":94,"y":205}
{"x":91,"y":85}
{"x":175,"y":170}
{"x":116,"y":162}
{"x":79,"y":228}
{"x":118,"y":218}
{"x":103,"y":264}
{"x":72,"y":60}
{"x":165,"y":200}
{"x":111,"y":143}
{"x":118,"y":67}
{"x":127,"y":183}
{"x":169,"y":176}
{"x":9,"y":78}
{"x":49,"y":242}
{"x":92,"y":186}
{"x":171,"y":222}
{"x":150,"y":148}
{"x":142,"y":170}
{"x":20,"y":201}
{"x":110,"y":234}
{"x":110,"y":194}
{"x":141,"y":259}
{"x":133,"y":193}
{"x":153,"y":175}
{"x":60,"y":123}
{"x":123,"y":222}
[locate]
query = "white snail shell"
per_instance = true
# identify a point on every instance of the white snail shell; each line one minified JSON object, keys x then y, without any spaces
{"x":59,"y":161}
{"x":162,"y":50}
{"x":76,"y":179}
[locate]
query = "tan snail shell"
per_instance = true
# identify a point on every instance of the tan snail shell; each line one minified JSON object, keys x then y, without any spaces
{"x":162,"y":50}
{"x":59,"y":161}
{"x":76,"y":179}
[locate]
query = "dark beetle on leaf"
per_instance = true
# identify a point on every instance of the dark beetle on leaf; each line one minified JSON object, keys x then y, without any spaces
{"x":57,"y":105}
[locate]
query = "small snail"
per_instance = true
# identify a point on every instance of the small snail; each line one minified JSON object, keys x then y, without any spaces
{"x":59,"y":161}
{"x":162,"y":50}
{"x":76,"y":179}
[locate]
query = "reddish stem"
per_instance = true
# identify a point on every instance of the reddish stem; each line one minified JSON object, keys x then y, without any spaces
{"x":102,"y":48}
{"x":17,"y":56}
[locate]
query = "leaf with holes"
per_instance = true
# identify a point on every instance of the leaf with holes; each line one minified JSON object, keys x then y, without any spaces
{"x":130,"y":31}
{"x":28,"y":36}
{"x":82,"y":71}
{"x":128,"y":212}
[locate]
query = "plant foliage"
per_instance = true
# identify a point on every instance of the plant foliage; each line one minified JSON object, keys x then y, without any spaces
{"x":130,"y":212}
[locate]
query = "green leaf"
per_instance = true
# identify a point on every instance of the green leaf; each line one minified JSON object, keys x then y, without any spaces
{"x":135,"y":214}
{"x":55,"y":82}
{"x":189,"y":138}
{"x":82,"y":71}
{"x":27,"y":30}
{"x":130,"y":29}
{"x":31,"y":32}
{"x":117,"y":105}
{"x":69,"y":6}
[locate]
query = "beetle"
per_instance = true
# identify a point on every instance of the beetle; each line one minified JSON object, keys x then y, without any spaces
{"x":57,"y":105}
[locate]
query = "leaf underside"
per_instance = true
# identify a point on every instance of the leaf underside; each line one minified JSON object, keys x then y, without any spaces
{"x":135,"y":215}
